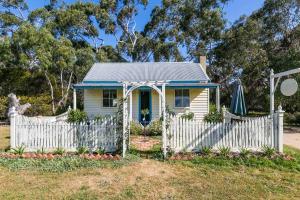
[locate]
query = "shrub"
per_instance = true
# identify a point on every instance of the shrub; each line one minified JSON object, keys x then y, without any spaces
{"x":154,"y":128}
{"x":77,"y":116}
{"x":59,"y":151}
{"x":292,"y":118}
{"x":244,"y":152}
{"x":41,"y":151}
{"x":100,"y":151}
{"x":188,"y":116}
{"x":206,"y":151}
{"x":82,"y":150}
{"x":136,"y":128}
{"x":19,"y":150}
{"x":224,"y":151}
{"x":213,"y":117}
{"x":268,"y":151}
{"x":212,"y":108}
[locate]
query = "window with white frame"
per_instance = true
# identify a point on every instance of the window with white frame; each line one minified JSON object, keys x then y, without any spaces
{"x":182,"y":98}
{"x":109,"y":98}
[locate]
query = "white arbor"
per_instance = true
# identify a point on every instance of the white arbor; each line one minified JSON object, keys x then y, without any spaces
{"x":128,"y":88}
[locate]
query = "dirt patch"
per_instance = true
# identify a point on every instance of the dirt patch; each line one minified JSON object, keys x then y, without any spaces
{"x":144,"y":143}
{"x":291,"y":136}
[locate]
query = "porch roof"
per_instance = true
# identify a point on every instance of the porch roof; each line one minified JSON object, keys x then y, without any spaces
{"x":116,"y":85}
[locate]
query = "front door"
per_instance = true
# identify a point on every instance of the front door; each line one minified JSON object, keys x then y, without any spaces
{"x":145,"y":107}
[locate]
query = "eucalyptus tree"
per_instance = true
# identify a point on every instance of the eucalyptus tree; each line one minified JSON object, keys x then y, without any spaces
{"x":185,"y":28}
{"x":268,"y":38}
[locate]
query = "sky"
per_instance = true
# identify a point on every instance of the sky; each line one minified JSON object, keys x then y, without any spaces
{"x":233,"y":10}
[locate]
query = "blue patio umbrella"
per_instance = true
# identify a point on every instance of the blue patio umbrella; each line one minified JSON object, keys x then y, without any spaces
{"x":238,"y":105}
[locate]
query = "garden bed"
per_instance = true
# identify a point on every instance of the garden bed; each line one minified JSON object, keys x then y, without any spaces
{"x":289,"y":161}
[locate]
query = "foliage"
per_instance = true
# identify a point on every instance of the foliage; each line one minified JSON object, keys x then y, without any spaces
{"x":188,"y":116}
{"x":40,"y":105}
{"x":213,"y":117}
{"x":100,"y":151}
{"x":119,"y":121}
{"x":244,"y":152}
{"x":145,"y":112}
{"x":206,"y":151}
{"x":82,"y":150}
{"x":18,"y":150}
{"x":77,"y":116}
{"x":292,"y":118}
{"x":268,"y":151}
{"x":224,"y":151}
{"x":59,"y":151}
{"x":154,"y":128}
{"x":136,"y":128}
{"x":212,"y":108}
{"x":41,"y":151}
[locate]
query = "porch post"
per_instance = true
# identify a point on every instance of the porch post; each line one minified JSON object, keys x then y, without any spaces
{"x":130,"y":115}
{"x":124,"y":120}
{"x":74,"y":99}
{"x":159,"y":105}
{"x":218,"y":98}
{"x":164,"y":120}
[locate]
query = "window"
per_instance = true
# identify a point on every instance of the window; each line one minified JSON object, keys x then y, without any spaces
{"x":109,"y":98}
{"x":182,"y":98}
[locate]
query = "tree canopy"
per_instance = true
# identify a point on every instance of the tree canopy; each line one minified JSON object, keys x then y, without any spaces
{"x":47,"y":49}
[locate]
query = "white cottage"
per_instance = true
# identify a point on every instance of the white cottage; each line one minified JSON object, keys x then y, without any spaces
{"x":186,"y":88}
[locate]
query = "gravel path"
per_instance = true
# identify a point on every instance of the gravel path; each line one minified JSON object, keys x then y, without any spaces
{"x":291,"y":136}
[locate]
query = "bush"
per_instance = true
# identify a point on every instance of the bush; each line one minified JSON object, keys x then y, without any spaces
{"x":224,"y":151}
{"x":213,"y":117}
{"x":77,"y":116}
{"x":188,"y":116}
{"x":82,"y":150}
{"x":268,"y":151}
{"x":19,"y":150}
{"x":292,"y":118}
{"x":136,"y":128}
{"x":244,"y":152}
{"x":59,"y":151}
{"x":206,"y":151}
{"x":154,"y":128}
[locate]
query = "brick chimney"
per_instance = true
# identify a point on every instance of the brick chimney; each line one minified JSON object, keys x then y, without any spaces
{"x":202,"y":61}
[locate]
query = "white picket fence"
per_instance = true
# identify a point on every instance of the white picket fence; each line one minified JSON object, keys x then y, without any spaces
{"x":253,"y":133}
{"x":49,"y":135}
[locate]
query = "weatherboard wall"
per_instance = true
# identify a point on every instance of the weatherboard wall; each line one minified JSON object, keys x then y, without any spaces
{"x":199,"y":103}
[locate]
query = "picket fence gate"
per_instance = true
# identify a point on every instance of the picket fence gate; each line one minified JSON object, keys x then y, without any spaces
{"x":48,"y":135}
{"x":253,"y":133}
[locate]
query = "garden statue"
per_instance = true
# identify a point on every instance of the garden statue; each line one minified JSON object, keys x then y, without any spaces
{"x":15,"y":102}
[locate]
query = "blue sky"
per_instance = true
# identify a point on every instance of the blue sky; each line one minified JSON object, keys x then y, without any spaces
{"x":233,"y":10}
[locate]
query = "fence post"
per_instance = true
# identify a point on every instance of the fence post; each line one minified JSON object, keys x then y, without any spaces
{"x":12,"y":114}
{"x":224,"y":113}
{"x":279,"y":120}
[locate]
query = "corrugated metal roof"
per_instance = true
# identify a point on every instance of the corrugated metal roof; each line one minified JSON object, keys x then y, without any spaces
{"x":146,"y":71}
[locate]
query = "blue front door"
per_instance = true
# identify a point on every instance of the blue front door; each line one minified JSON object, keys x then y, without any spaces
{"x":145,"y":105}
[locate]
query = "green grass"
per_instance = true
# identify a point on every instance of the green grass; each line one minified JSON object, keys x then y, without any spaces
{"x":150,"y":177}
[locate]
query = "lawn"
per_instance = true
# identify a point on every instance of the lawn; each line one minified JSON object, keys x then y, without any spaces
{"x":142,"y":178}
{"x":4,"y":137}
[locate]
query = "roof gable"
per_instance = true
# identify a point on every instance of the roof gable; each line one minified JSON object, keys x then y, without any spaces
{"x":146,"y":71}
